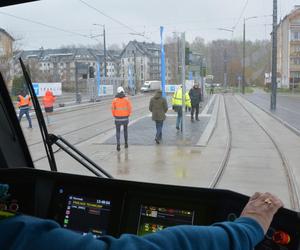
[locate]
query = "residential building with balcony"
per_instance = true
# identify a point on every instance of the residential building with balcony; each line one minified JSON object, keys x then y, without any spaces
{"x":59,"y":65}
{"x":140,"y":62}
{"x":288,"y":50}
{"x":6,"y":56}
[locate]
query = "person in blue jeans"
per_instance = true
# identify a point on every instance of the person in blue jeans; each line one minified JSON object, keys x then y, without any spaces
{"x":159,"y":107}
{"x":177,"y":105}
{"x":25,"y":232}
{"x":24,"y":104}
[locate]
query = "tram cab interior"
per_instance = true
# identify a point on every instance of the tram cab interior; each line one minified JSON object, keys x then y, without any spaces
{"x":108,"y":206}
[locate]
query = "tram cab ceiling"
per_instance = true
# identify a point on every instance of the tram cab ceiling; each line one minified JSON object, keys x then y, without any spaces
{"x":4,"y":3}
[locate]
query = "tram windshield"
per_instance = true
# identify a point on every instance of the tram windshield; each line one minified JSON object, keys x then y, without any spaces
{"x":228,"y":122}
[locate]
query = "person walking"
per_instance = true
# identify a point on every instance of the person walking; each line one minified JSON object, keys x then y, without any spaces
{"x":121,"y":110}
{"x":212,"y":88}
{"x":48,"y":102}
{"x":24,"y":104}
{"x":177,"y":105}
{"x":195,"y":96}
{"x":159,"y":107}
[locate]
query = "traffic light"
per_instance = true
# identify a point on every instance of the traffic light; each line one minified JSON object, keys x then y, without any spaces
{"x":187,"y":56}
{"x":91,"y":72}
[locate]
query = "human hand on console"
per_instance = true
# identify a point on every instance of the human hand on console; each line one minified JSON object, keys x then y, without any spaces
{"x":262,"y":207}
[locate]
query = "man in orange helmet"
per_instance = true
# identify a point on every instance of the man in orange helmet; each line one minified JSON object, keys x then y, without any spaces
{"x":121,"y":110}
{"x":24,"y":104}
{"x":48,"y":102}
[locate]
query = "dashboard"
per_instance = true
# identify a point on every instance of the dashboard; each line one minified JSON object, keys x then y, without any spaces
{"x":109,"y":206}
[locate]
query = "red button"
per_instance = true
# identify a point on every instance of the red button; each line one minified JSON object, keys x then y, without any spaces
{"x":281,"y":238}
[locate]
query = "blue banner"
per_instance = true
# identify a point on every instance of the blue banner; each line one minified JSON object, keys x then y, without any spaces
{"x":163,"y":65}
{"x":190,"y":75}
{"x":98,"y":79}
{"x":130,"y":77}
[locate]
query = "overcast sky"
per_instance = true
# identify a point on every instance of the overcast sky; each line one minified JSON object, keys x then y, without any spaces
{"x":196,"y":17}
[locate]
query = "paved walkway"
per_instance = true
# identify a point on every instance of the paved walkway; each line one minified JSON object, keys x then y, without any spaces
{"x":143,"y":131}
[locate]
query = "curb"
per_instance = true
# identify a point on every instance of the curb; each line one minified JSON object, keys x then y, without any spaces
{"x":206,"y":135}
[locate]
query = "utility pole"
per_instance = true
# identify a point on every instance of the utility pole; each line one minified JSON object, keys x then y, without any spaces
{"x":183,"y":80}
{"x":244,"y":53}
{"x":178,"y":59}
{"x":244,"y":50}
{"x":104,"y":45}
{"x":76,"y":83}
{"x":225,"y":68}
{"x":135,"y":75}
{"x":274,"y":57}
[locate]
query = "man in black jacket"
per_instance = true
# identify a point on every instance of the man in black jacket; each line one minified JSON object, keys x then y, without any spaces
{"x":195,"y":95}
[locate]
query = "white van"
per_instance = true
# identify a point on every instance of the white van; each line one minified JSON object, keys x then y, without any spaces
{"x":151,"y":86}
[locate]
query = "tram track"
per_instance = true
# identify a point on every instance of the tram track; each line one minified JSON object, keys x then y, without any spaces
{"x":138,"y":112}
{"x":225,"y":159}
{"x":72,"y":109}
{"x":83,"y":127}
{"x":291,"y":183}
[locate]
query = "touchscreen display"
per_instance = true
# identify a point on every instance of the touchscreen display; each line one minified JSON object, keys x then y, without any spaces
{"x":86,"y":215}
{"x":153,"y":219}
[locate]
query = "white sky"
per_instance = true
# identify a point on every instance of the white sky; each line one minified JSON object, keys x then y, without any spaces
{"x":195,"y":17}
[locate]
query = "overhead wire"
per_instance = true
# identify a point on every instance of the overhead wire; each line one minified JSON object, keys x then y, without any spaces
{"x":112,"y":18}
{"x":45,"y":25}
{"x":242,"y":13}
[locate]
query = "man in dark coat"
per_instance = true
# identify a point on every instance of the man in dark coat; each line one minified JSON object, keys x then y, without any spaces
{"x":195,"y":96}
{"x":159,"y":107}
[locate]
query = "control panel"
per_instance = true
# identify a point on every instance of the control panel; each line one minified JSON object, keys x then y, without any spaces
{"x":112,"y":207}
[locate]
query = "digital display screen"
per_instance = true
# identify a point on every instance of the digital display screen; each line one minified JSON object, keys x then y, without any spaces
{"x":153,"y":219}
{"x":85,"y":215}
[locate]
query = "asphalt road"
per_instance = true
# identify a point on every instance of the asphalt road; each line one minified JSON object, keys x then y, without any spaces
{"x":287,"y":108}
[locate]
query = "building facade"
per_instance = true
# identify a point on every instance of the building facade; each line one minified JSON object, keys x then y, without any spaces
{"x":68,"y":66}
{"x":140,"y":62}
{"x":6,"y":56}
{"x":288,"y":50}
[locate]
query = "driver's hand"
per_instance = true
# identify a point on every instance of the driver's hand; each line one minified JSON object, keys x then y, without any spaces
{"x":262,"y":207}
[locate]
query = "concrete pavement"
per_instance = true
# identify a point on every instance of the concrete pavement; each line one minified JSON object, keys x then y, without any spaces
{"x":254,"y":164}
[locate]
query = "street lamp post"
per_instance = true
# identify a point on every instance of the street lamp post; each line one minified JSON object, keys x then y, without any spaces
{"x":225,"y":56}
{"x":274,"y":57}
{"x":244,"y":52}
{"x":183,"y":80}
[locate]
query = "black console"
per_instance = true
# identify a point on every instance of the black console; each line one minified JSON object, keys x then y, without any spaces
{"x":107,"y":206}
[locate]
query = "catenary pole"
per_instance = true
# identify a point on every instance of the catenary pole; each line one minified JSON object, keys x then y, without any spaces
{"x":274,"y":57}
{"x":183,"y":80}
{"x":244,"y":50}
{"x":104,"y":45}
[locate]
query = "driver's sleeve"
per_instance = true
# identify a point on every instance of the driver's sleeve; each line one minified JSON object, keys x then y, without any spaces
{"x":25,"y":232}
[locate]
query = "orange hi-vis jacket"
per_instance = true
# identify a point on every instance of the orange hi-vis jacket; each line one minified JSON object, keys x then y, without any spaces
{"x":24,"y":101}
{"x":48,"y":99}
{"x":121,"y":107}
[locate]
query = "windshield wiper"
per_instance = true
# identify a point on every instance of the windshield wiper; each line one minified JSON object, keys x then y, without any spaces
{"x":50,"y":139}
{"x":40,"y":118}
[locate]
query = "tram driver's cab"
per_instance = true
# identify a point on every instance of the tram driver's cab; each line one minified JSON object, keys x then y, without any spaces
{"x":106,"y":206}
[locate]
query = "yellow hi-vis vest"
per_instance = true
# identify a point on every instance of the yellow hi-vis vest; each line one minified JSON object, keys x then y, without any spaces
{"x":177,"y":98}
